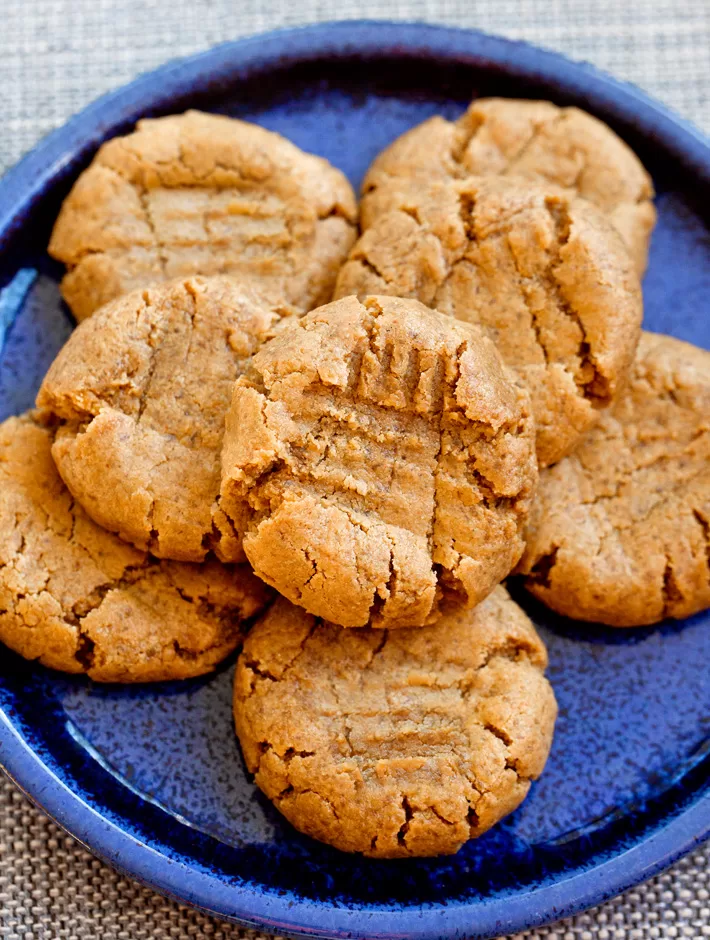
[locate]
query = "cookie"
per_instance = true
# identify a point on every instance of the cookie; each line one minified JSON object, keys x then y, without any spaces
{"x":546,"y":276}
{"x":203,"y":194}
{"x":78,"y":599}
{"x":531,"y":139}
{"x":142,"y":389}
{"x":384,"y":459}
{"x":395,"y":743}
{"x":620,"y":531}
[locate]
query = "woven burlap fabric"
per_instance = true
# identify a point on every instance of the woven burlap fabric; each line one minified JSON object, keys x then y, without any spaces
{"x":56,"y":56}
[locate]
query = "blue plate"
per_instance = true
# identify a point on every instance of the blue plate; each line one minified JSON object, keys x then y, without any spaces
{"x":151,"y":779}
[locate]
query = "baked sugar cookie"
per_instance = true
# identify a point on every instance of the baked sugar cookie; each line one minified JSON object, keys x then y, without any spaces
{"x":142,"y":390}
{"x":620,"y":530}
{"x":546,"y":276}
{"x":384,"y":458}
{"x":78,"y":599}
{"x":203,"y":194}
{"x":531,"y":139}
{"x":395,"y":743}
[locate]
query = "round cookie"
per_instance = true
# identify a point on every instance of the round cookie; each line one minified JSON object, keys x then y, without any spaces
{"x":204,"y":194}
{"x":535,"y":140}
{"x":620,"y":530}
{"x":401,"y":743}
{"x":78,"y":599}
{"x":384,"y":459}
{"x":546,"y":276}
{"x":142,"y":389}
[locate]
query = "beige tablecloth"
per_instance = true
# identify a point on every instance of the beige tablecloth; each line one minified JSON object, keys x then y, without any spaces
{"x":56,"y":56}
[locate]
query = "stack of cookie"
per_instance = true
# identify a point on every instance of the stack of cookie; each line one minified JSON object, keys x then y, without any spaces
{"x":471,"y":401}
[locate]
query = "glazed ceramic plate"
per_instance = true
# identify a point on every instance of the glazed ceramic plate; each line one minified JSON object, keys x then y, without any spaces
{"x":151,"y":778}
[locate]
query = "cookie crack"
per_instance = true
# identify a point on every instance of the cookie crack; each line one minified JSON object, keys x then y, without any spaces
{"x":369,"y":265}
{"x":384,"y":593}
{"x":595,"y":388}
{"x":192,"y":314}
{"x":490,"y":497}
{"x":298,"y":791}
{"x":432,"y":535}
{"x":672,"y":594}
{"x":443,"y":819}
{"x":619,"y":525}
{"x":23,"y":542}
{"x":153,"y":538}
{"x":314,"y":566}
{"x":632,"y":473}
{"x":499,"y":733}
{"x":226,"y":615}
{"x":196,"y":180}
{"x":538,"y":128}
{"x":160,"y":247}
{"x":347,"y":732}
{"x":381,"y":643}
{"x":404,"y":828}
{"x":256,"y":667}
{"x":336,"y":211}
{"x":292,"y":752}
{"x":212,"y":540}
{"x":81,"y":609}
{"x":85,"y":650}
{"x":467,"y":208}
{"x":509,"y":650}
{"x":473,"y":820}
{"x":435,"y":509}
{"x":190,"y":655}
{"x":525,"y":283}
{"x":704,"y":524}
{"x":286,"y":758}
{"x":463,"y":137}
{"x":541,"y":571}
{"x":154,"y":346}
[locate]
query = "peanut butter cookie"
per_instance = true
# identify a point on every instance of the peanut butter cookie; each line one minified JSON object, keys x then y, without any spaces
{"x":203,"y":194}
{"x":531,"y":139}
{"x":620,"y":531}
{"x":78,"y":599}
{"x":395,"y":743}
{"x":142,"y":390}
{"x":546,"y":276}
{"x":384,"y":457}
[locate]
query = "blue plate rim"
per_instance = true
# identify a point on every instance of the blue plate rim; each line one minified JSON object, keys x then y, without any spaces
{"x":24,"y":184}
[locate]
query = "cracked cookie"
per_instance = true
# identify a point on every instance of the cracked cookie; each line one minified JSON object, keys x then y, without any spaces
{"x":546,"y":276}
{"x":141,"y":390}
{"x":620,"y":530}
{"x":531,"y":139}
{"x":395,"y":743}
{"x":78,"y":599}
{"x":204,"y":194}
{"x":383,"y":459}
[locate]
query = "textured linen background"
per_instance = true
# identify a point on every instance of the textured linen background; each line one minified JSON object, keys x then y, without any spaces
{"x":55,"y":57}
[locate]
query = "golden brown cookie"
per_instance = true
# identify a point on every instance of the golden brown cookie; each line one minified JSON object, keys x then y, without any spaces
{"x":78,"y":599}
{"x":620,"y":531}
{"x":546,"y":276}
{"x":400,"y":743}
{"x":142,"y":390}
{"x":531,"y":139}
{"x":203,"y":194}
{"x":385,"y":457}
